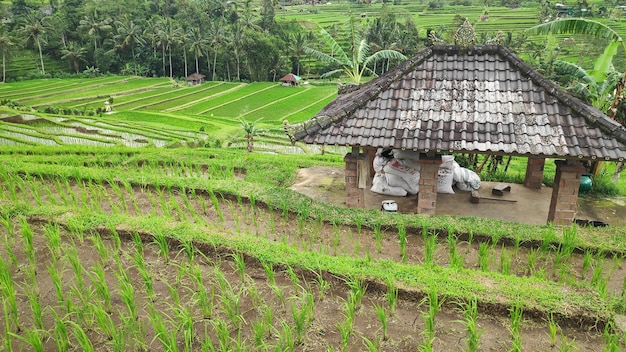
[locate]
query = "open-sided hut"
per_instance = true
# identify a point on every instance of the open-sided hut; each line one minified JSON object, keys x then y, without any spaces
{"x":477,"y":99}
{"x":195,"y":79}
{"x":290,"y":80}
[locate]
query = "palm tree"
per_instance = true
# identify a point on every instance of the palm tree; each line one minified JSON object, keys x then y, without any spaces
{"x":74,"y":53}
{"x":236,"y":38}
{"x":197,"y":44}
{"x":170,"y":33}
{"x":33,"y":28}
{"x":297,"y":44}
{"x":95,"y":27}
{"x":354,"y":63}
{"x":249,"y":20}
{"x":129,"y":35}
{"x":217,"y":33}
{"x":151,"y":33}
{"x":6,"y":44}
{"x":382,"y":35}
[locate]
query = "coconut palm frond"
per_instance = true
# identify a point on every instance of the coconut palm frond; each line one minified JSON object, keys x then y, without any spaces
{"x":576,"y":26}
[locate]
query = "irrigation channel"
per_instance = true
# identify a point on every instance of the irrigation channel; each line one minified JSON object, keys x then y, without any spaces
{"x":114,"y":289}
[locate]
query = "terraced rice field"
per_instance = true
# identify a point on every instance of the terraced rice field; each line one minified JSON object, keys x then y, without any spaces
{"x":156,"y":103}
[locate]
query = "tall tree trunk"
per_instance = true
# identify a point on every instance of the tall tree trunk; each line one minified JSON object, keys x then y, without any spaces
{"x":228,"y":70}
{"x":214,"y":64}
{"x":163,"y":58}
{"x":298,"y":67}
{"x":132,"y":52}
{"x":208,"y":62}
{"x":170,"y":56}
{"x":43,"y":71}
{"x":4,"y":68}
{"x":95,"y":50}
{"x":185,"y":58}
{"x":197,"y":69}
{"x":238,"y":69}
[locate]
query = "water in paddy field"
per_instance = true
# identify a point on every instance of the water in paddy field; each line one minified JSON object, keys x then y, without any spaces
{"x":609,"y":210}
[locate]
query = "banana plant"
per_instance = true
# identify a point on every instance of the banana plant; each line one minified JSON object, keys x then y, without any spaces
{"x":603,"y":66}
{"x":354,"y":62}
{"x":603,"y":70}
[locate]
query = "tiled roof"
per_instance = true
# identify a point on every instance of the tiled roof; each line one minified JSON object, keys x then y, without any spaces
{"x":478,"y":100}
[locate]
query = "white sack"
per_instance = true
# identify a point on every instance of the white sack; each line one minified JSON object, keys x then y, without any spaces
{"x":379,"y":163}
{"x":398,"y":181}
{"x":405,"y":154}
{"x":380,"y":186}
{"x":413,"y":164}
{"x":466,"y":179}
{"x":410,"y":175}
{"x":447,"y":162}
{"x":444,"y":181}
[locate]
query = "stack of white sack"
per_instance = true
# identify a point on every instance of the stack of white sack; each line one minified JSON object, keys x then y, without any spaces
{"x":451,"y":173}
{"x":399,"y":171}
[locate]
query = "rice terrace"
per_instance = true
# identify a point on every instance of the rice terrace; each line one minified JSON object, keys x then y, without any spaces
{"x":161,"y":226}
{"x":172,"y":248}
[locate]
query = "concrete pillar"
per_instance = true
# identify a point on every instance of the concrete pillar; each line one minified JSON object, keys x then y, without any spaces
{"x":355,"y":196}
{"x":427,"y":195}
{"x":534,"y":172}
{"x":565,"y":192}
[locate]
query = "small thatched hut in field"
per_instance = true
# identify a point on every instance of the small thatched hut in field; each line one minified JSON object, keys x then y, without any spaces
{"x":291,"y":80}
{"x":195,"y":79}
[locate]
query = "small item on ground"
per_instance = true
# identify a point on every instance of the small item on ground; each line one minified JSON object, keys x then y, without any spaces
{"x":390,"y":206}
{"x":500,"y":188}
{"x":475,"y":198}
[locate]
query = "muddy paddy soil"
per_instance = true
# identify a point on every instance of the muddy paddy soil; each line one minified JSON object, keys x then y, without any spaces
{"x":266,"y":308}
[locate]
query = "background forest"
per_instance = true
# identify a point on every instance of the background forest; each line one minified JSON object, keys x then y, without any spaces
{"x":253,"y":40}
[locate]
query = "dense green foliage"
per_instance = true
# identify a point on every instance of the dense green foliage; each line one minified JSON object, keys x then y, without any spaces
{"x":253,"y":40}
